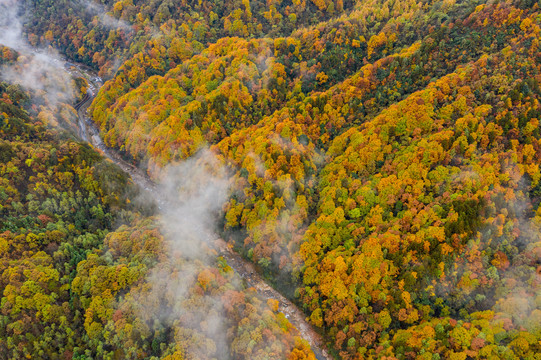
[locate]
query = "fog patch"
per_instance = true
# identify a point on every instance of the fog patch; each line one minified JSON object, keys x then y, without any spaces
{"x":500,"y":266}
{"x":190,"y":196}
{"x":38,"y":70}
{"x":108,"y":21}
{"x":195,"y":192}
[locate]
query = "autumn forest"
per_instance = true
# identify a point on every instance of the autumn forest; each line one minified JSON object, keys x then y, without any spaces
{"x":278,"y":179}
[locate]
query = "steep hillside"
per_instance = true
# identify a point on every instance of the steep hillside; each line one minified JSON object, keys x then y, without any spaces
{"x":86,"y":273}
{"x":385,"y":153}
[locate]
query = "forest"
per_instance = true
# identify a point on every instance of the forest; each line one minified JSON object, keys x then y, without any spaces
{"x":377,"y":161}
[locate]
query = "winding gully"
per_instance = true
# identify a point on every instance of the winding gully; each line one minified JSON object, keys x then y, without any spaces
{"x":88,"y":131}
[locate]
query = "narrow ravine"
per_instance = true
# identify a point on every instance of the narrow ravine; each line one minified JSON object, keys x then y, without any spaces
{"x":88,"y":131}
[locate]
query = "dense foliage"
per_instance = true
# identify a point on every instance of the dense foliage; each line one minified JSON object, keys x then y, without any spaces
{"x":76,"y":285}
{"x":55,"y":210}
{"x":386,"y":157}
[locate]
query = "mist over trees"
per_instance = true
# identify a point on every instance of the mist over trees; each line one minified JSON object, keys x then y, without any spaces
{"x":377,"y":161}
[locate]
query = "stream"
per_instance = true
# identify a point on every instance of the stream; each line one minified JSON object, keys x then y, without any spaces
{"x":88,"y":131}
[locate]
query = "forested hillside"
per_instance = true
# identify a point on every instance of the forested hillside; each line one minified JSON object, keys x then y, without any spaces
{"x":82,"y":259}
{"x":385,"y":175}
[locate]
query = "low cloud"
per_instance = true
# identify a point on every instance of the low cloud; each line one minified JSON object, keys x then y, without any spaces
{"x":191,"y":196}
{"x":108,"y":21}
{"x":194,"y":193}
{"x":38,"y":70}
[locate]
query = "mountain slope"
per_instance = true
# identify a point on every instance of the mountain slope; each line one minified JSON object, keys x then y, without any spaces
{"x":385,"y":154}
